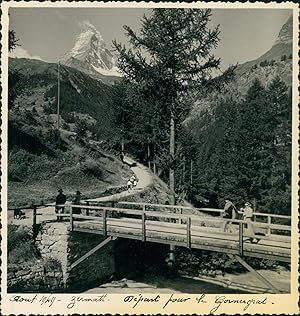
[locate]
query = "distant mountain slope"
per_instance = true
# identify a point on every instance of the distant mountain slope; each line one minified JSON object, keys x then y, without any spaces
{"x":79,"y":93}
{"x":282,"y":47}
{"x":41,"y":158}
{"x":277,"y":61}
{"x":91,"y":56}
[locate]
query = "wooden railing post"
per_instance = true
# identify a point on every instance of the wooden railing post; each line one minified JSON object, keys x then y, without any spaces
{"x":71,"y":219}
{"x":188,"y":232}
{"x":241,"y":246}
{"x":269,"y":223}
{"x":104,"y":222}
{"x":87,"y":210}
{"x":34,"y":215}
{"x":144,"y":223}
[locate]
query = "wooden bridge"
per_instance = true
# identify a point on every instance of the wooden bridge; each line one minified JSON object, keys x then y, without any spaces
{"x":155,"y":223}
{"x":202,"y":228}
{"x":187,"y":227}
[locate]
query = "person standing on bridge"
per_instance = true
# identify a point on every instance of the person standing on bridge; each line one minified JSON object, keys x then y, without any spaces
{"x":76,"y":201}
{"x":229,"y":212}
{"x":247,"y":213}
{"x":59,"y":202}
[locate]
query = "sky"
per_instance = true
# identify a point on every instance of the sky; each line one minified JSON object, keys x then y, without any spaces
{"x":48,"y":33}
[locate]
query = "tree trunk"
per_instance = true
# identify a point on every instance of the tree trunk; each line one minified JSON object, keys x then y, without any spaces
{"x":148,"y":153}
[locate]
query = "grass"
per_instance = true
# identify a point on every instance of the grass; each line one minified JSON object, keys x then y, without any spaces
{"x":35,"y":179}
{"x":21,"y":248}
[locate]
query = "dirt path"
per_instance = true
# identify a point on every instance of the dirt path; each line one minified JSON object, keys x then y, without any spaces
{"x":47,"y":213}
{"x":142,"y":174}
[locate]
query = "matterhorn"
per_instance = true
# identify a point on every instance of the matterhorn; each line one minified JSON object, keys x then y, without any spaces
{"x":91,"y":56}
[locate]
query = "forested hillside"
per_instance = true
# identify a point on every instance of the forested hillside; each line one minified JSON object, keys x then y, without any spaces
{"x":233,"y":132}
{"x":243,"y":149}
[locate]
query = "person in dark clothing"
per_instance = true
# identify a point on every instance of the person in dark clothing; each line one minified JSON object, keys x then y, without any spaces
{"x":230,"y":209}
{"x":76,"y":201}
{"x":230,"y":212}
{"x":59,"y":202}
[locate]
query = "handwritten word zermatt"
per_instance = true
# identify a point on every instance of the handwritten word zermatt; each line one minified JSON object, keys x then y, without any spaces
{"x":83,"y":299}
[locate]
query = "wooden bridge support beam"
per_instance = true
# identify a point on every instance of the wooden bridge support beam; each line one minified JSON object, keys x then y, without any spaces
{"x":258,"y":275}
{"x":92,"y":251}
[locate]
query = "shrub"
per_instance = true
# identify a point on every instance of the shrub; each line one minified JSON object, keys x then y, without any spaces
{"x":69,"y":117}
{"x":66,"y":126}
{"x":17,"y":235}
{"x":16,"y":171}
{"x":91,"y":167}
{"x":49,"y":108}
{"x":52,"y":137}
{"x":283,"y":58}
{"x":81,"y":128}
{"x":52,"y":264}
{"x":21,"y":247}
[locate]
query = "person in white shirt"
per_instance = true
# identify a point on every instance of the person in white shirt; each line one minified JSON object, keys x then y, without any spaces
{"x":247,"y":213}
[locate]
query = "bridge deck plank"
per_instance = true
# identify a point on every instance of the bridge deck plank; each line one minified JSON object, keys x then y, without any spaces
{"x":173,"y":233}
{"x":283,"y":242}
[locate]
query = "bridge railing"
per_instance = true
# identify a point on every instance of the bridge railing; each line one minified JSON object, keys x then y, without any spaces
{"x":143,"y":222}
{"x":257,"y":216}
{"x":179,"y":218}
{"x":156,"y":212}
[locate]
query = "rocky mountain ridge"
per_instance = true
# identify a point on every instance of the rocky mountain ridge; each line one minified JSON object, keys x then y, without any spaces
{"x":277,"y":61}
{"x":90,"y":55}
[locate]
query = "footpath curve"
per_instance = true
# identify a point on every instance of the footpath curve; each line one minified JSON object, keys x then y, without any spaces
{"x":144,"y":180}
{"x":47,"y":213}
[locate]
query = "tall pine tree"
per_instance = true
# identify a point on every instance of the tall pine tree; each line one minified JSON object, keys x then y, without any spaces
{"x":171,"y":58}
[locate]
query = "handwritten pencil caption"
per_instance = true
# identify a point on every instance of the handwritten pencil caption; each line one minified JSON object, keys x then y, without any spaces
{"x":214,"y":303}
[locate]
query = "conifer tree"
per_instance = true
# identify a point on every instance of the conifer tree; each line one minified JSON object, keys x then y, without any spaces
{"x":171,"y":58}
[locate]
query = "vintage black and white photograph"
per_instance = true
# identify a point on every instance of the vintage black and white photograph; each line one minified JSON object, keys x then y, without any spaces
{"x":149,"y":150}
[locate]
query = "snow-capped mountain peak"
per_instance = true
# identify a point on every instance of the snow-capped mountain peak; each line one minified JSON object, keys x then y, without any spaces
{"x":90,"y":54}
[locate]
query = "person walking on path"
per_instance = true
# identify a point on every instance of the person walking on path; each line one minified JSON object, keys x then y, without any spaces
{"x":76,"y":201}
{"x":229,"y":212}
{"x":247,"y":213}
{"x":59,"y":202}
{"x":129,"y":185}
{"x":134,"y":181}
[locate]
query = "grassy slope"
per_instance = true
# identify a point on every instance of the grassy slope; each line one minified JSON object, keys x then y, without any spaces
{"x":37,"y":167}
{"x":37,"y":177}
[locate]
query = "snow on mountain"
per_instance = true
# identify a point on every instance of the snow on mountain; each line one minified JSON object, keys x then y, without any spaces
{"x":90,"y":54}
{"x":20,"y":52}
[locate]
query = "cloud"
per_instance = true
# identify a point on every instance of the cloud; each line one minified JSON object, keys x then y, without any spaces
{"x":20,"y":52}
